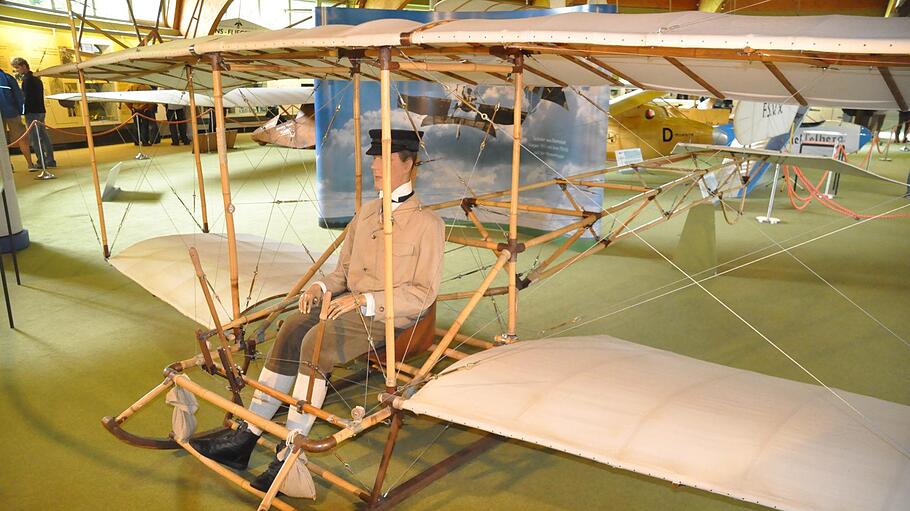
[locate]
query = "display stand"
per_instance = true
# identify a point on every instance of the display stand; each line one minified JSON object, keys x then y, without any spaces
{"x":768,"y":219}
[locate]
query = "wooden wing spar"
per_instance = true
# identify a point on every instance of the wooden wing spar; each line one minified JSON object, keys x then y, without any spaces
{"x":841,"y":61}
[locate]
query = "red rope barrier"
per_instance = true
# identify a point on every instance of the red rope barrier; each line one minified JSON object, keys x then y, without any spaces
{"x":827,"y":202}
{"x":100,"y":133}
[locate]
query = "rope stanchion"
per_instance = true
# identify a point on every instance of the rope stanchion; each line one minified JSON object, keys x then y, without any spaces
{"x":81,"y":134}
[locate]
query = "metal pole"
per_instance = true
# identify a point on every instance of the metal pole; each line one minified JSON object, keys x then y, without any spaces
{"x":6,"y":298}
{"x":9,"y":231}
{"x":221,"y":142}
{"x":44,"y":174}
{"x":194,"y":125}
{"x":385,"y":86}
{"x":90,"y":139}
{"x":517,"y":76}
{"x":138,"y":122}
{"x":768,"y":219}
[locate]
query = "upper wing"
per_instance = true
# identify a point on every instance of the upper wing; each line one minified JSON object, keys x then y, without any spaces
{"x":844,"y":61}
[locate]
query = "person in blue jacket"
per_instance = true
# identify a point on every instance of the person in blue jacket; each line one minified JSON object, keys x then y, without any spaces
{"x":12,"y":101}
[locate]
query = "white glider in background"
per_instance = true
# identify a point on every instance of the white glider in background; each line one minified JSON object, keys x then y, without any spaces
{"x":239,"y":97}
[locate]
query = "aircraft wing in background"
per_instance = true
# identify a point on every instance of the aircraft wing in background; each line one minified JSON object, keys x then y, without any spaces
{"x":163,"y":97}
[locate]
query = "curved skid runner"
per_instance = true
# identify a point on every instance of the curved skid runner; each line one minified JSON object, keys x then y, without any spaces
{"x":753,"y":437}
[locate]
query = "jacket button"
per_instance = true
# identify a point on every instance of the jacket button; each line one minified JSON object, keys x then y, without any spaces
{"x":373,"y":237}
{"x":381,"y":309}
{"x":364,"y":269}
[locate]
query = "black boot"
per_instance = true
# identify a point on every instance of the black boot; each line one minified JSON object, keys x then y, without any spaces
{"x":230,"y":447}
{"x":264,"y":481}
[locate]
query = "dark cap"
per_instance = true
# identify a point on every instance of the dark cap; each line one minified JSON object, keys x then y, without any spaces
{"x":402,"y":140}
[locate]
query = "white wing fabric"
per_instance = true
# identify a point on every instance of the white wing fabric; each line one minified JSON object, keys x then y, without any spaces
{"x":162,"y":266}
{"x":758,"y":438}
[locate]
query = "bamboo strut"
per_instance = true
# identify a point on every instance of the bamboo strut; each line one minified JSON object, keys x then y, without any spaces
{"x":89,"y":136}
{"x":476,"y":221}
{"x":518,"y":77}
{"x":385,"y":61}
{"x":317,"y":348}
{"x":269,"y":498}
{"x":194,"y":125}
{"x":316,"y":469}
{"x":454,"y":67}
{"x":460,"y":295}
{"x":302,"y":70}
{"x":531,"y":208}
{"x":358,"y":149}
{"x":221,"y":142}
{"x":200,"y":275}
{"x":231,"y":476}
{"x":277,"y":430}
{"x":144,"y":400}
{"x":565,"y":191}
{"x":612,"y":186}
{"x":291,"y":401}
{"x":558,"y":252}
{"x":274,"y":311}
{"x":534,"y":275}
{"x":466,"y":339}
{"x":472,"y":242}
{"x":444,"y":343}
{"x":451,"y":353}
{"x":552,"y":235}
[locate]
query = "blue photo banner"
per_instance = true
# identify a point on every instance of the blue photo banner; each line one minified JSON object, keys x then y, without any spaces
{"x":564,"y":131}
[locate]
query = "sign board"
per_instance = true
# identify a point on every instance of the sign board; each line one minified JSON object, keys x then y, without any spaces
{"x":820,"y":143}
{"x":628,"y":156}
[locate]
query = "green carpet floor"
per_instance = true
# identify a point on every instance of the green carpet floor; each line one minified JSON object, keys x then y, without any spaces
{"x":89,"y":341}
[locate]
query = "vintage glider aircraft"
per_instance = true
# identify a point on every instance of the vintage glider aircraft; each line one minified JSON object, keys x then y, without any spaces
{"x":642,"y":119}
{"x":774,"y":442}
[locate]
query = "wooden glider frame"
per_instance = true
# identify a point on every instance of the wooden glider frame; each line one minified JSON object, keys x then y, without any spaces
{"x":232,"y":339}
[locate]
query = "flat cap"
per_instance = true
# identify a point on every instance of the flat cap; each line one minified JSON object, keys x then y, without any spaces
{"x":402,"y":140}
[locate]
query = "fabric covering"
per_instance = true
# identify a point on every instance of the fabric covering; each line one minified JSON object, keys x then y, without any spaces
{"x":758,"y":438}
{"x":183,"y":419}
{"x":727,"y":52}
{"x":265,"y":267}
{"x":299,"y":482}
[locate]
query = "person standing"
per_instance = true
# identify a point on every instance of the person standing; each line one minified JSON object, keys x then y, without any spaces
{"x":35,"y":113}
{"x":903,"y":122}
{"x":144,"y":113}
{"x":11,"y":104}
{"x":176,"y":116}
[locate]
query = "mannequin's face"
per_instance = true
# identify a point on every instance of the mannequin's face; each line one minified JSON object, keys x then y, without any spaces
{"x":401,"y":171}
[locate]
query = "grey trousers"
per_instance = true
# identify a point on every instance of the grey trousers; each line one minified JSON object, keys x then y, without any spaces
{"x":40,"y":142}
{"x":345,"y":338}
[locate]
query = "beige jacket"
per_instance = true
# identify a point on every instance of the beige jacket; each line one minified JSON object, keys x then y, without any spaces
{"x":418,"y":241}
